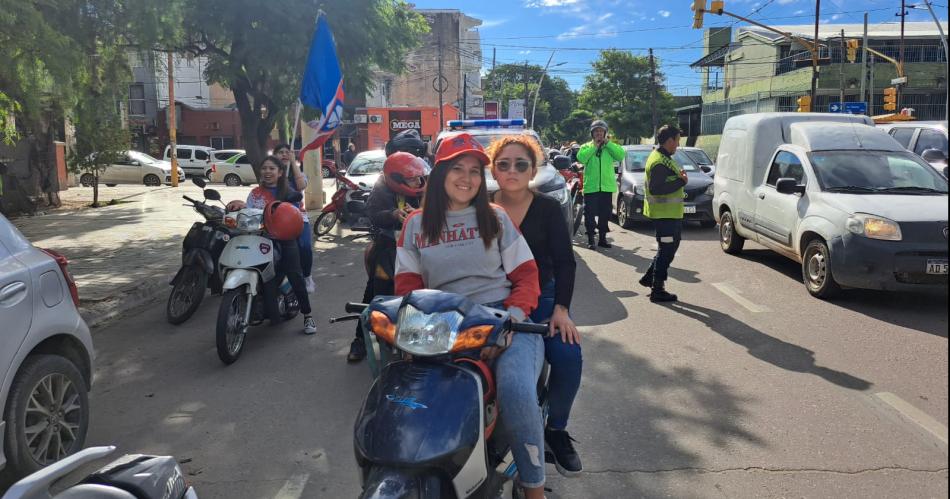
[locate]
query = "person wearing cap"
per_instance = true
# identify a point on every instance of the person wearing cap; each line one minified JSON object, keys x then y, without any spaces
{"x":460,"y":243}
{"x":600,"y":182}
{"x":663,"y":203}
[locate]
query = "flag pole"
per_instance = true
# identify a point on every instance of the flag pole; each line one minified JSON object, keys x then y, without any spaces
{"x":293,"y":136}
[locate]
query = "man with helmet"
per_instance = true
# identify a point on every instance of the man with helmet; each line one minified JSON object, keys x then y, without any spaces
{"x":600,"y":182}
{"x":397,"y":192}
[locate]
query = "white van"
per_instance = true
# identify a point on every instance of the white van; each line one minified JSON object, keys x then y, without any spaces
{"x":195,"y":160}
{"x":834,"y":193}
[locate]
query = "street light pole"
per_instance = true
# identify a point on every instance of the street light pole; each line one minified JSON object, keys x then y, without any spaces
{"x":534,"y":107}
{"x":814,"y":59}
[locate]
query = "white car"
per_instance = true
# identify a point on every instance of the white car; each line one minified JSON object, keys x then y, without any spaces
{"x":46,"y":357}
{"x":234,"y":171}
{"x":366,"y":168}
{"x":196,"y":160}
{"x":134,"y":168}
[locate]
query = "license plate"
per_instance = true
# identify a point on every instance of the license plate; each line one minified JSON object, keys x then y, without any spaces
{"x":689,"y":210}
{"x":938,"y":267}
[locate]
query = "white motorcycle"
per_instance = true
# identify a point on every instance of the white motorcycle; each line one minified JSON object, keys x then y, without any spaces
{"x":247,"y":264}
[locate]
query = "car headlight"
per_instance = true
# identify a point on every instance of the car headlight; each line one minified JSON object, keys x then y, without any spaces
{"x":711,"y":190}
{"x":249,"y":221}
{"x":638,"y":190}
{"x":874,"y":227}
{"x":425,"y":334}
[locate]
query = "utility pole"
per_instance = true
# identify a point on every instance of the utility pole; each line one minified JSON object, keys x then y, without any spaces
{"x":864,"y":61}
{"x":814,"y":59}
{"x":464,"y":96}
{"x":172,"y":128}
{"x":841,"y":70}
{"x":525,"y":106}
{"x":871,"y":88}
{"x":900,"y":57}
{"x":946,"y":52}
{"x":653,"y":93}
{"x":544,"y":72}
{"x":441,"y":88}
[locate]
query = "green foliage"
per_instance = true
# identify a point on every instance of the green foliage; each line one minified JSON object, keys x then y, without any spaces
{"x":619,"y":92}
{"x":555,"y":99}
{"x":101,"y":139}
{"x":576,"y":127}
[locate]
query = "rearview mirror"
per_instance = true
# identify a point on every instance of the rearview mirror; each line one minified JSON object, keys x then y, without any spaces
{"x":562,"y":162}
{"x":705,"y":168}
{"x":212,"y":194}
{"x":789,"y":186}
{"x":200,"y":182}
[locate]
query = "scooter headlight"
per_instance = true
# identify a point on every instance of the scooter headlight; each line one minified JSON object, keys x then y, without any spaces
{"x":423,"y":334}
{"x":250,"y":222}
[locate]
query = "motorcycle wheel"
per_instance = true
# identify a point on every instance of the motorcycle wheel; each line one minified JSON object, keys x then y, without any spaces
{"x":186,"y":296}
{"x":325,"y":223}
{"x":578,"y":213}
{"x":231,"y":329}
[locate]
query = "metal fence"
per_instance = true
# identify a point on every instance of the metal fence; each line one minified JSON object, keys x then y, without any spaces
{"x":926,"y":106}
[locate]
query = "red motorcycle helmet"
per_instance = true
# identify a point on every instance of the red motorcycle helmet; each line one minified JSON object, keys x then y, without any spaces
{"x":283,"y":221}
{"x":401,"y":166}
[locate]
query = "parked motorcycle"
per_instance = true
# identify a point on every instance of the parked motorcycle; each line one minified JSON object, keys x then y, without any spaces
{"x":348,"y":205}
{"x":427,"y":426}
{"x":248,"y":264}
{"x":132,"y":476}
{"x":200,"y":252}
{"x":573,"y":174}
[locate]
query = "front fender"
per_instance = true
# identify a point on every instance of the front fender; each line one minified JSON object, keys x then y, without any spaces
{"x":240,"y":277}
{"x":818,"y":225}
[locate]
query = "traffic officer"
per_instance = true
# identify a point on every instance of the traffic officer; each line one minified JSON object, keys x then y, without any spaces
{"x":600,"y":182}
{"x":663,"y":203}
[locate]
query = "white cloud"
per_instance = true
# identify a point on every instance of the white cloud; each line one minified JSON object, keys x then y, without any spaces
{"x":836,"y":17}
{"x":798,"y":12}
{"x":550,"y":3}
{"x":582,"y":32}
{"x":524,"y":52}
{"x":786,"y":2}
{"x":605,"y":17}
{"x":493,"y":23}
{"x":664,"y":13}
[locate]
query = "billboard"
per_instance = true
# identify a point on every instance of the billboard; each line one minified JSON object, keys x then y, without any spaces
{"x":402,"y":120}
{"x":491,"y":110}
{"x":515,"y":109}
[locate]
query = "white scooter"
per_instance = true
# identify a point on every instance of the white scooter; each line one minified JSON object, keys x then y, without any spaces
{"x":247,"y":264}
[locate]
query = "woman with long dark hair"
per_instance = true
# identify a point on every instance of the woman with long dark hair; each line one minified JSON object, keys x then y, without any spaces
{"x":460,"y":243}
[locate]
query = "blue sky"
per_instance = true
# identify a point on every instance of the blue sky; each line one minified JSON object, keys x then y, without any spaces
{"x":520,"y":30}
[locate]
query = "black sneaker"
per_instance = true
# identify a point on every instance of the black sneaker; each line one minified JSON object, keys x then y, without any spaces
{"x":590,"y":243}
{"x":357,"y":350}
{"x":604,"y":244}
{"x":647,"y":280}
{"x":559,"y":450}
{"x":662,"y":296}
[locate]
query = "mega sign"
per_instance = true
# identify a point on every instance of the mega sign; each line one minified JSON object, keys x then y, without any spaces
{"x":400,"y":121}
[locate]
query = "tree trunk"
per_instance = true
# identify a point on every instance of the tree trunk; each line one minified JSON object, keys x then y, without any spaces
{"x":255,"y":127}
{"x":95,"y":189}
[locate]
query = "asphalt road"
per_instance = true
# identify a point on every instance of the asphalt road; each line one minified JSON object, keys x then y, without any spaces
{"x":746,"y":388}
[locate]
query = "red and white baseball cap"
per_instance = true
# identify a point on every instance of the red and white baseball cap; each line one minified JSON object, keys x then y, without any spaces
{"x":460,"y":145}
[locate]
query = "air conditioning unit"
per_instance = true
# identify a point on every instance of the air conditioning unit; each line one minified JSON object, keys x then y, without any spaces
{"x":359,"y":118}
{"x":375,"y":118}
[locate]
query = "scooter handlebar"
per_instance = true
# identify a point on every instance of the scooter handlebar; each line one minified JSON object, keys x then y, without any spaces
{"x":186,"y":198}
{"x":355,"y":308}
{"x":528,"y":327}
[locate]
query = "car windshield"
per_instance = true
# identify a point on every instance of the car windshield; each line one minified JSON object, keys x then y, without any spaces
{"x":868,"y":172}
{"x":637,"y":160}
{"x":142,"y":157}
{"x":698,"y":156}
{"x":366,"y":165}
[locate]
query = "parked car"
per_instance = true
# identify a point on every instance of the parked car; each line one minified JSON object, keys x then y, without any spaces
{"x":548,"y":180}
{"x":699,"y":156}
{"x":46,"y":357}
{"x":837,"y":195}
{"x":630,"y":195}
{"x":134,"y":168}
{"x":220,"y":156}
{"x":234,"y":171}
{"x":196,"y":160}
{"x":921,"y":136}
{"x":366,"y":168}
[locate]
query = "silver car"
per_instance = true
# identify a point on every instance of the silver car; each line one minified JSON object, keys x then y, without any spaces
{"x":46,"y":357}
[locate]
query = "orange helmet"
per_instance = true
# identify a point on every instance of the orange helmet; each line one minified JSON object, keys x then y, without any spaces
{"x":283,"y":221}
{"x":401,"y":166}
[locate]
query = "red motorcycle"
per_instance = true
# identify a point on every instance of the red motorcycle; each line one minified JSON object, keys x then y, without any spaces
{"x":574,"y":176}
{"x":348,"y":206}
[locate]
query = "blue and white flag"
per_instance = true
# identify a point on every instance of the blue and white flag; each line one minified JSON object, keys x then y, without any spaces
{"x":322,"y":86}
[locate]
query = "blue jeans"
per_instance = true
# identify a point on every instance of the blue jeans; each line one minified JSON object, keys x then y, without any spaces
{"x":566,"y":364}
{"x":305,"y":243}
{"x":516,"y":372}
{"x":668,"y":235}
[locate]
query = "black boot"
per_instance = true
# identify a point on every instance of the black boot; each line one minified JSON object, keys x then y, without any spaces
{"x":660,"y":295}
{"x":357,"y":350}
{"x":603,"y":243}
{"x":647,"y":280}
{"x":590,"y":242}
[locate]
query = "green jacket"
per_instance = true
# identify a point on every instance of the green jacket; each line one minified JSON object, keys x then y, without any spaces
{"x":599,"y":174}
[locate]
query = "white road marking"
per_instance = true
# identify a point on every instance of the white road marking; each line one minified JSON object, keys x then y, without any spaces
{"x":738,"y":298}
{"x":293,"y":488}
{"x":914,"y":414}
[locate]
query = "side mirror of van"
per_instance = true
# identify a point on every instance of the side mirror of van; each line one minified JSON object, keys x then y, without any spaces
{"x":789,"y":186}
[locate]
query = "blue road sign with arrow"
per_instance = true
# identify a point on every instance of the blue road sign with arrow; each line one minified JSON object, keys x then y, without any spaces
{"x":848,"y":107}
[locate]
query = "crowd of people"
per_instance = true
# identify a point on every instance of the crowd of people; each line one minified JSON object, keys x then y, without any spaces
{"x":520,"y":259}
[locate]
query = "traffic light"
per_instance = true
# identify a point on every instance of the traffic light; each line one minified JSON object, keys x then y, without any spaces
{"x":804,"y":104}
{"x":717,"y":6}
{"x":853,"y":50}
{"x":698,"y":8}
{"x":890,"y":99}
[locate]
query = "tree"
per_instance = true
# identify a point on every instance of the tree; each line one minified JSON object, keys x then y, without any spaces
{"x":258,"y":50}
{"x":619,"y":91}
{"x":555,"y":99}
{"x":101,"y":139}
{"x":576,"y":127}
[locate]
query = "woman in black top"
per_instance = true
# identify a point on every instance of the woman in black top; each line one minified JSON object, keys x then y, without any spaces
{"x":515,"y":161}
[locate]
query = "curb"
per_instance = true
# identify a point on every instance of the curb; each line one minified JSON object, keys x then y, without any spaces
{"x":124,"y":301}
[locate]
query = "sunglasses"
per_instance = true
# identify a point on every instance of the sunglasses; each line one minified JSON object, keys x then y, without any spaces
{"x":520,"y":165}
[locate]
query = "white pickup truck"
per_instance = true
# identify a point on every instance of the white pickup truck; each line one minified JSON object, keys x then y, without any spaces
{"x":837,"y":195}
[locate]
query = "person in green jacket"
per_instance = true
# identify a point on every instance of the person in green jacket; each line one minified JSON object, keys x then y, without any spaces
{"x":600,"y":181}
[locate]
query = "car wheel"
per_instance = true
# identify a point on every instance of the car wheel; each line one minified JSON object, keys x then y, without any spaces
{"x":326,"y":172}
{"x":47,"y":413}
{"x":623,"y":215}
{"x":152,"y":180}
{"x":87,"y":180}
{"x":729,"y":240}
{"x":232,"y":180}
{"x":816,"y":270}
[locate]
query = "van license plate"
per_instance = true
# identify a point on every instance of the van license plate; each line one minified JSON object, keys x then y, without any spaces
{"x":938,"y":267}
{"x":689,"y":210}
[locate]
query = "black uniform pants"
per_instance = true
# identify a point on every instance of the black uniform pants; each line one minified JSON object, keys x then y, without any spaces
{"x":668,"y":235}
{"x":598,"y":207}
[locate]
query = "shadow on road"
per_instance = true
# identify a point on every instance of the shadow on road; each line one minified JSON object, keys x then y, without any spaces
{"x":691,"y":231}
{"x":924,"y":312}
{"x":766,"y":348}
{"x":639,"y":264}
{"x":591,"y":294}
